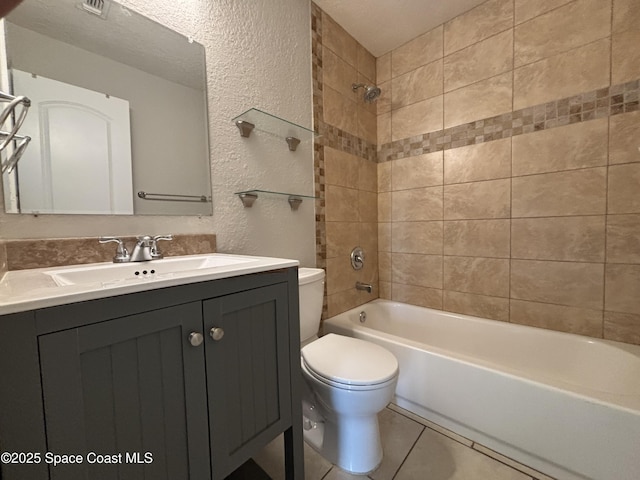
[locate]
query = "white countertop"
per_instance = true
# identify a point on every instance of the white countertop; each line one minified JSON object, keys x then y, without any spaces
{"x":23,"y":290}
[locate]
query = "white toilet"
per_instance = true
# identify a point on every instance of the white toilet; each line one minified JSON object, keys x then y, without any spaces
{"x":347,"y":382}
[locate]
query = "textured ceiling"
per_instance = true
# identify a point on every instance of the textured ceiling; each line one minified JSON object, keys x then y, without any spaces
{"x":124,"y":36}
{"x":382,"y":25}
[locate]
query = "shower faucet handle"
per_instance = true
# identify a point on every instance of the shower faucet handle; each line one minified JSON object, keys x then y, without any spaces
{"x":357,"y":258}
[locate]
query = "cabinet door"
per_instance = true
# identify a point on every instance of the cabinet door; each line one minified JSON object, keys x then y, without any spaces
{"x":247,"y":373}
{"x":126,"y":386}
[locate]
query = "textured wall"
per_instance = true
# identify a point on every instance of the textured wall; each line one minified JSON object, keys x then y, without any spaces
{"x":258,"y":55}
{"x":509,"y":168}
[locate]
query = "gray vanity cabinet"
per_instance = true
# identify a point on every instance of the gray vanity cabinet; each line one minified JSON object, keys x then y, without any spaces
{"x":130,"y":385}
{"x":248,"y":382}
{"x":124,"y":375}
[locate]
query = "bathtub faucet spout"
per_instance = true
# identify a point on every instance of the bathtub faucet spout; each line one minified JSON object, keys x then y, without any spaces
{"x":364,"y":286}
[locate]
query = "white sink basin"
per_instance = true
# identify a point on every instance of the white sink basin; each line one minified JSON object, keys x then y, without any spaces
{"x":106,"y":273}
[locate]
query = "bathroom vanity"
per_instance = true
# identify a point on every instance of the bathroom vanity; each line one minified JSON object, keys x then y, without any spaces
{"x":178,"y":377}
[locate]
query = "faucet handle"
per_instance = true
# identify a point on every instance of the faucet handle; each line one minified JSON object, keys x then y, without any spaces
{"x":156,"y":254}
{"x":122,"y":255}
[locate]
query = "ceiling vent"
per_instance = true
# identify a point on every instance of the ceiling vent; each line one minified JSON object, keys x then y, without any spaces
{"x":96,"y":7}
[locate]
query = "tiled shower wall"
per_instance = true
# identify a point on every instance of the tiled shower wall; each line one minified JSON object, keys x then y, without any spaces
{"x":345,"y":163}
{"x":509,"y":169}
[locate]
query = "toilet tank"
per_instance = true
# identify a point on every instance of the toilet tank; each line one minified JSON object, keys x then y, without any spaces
{"x":311,"y":283}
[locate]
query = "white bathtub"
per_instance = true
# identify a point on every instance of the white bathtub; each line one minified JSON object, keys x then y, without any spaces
{"x":566,"y":405}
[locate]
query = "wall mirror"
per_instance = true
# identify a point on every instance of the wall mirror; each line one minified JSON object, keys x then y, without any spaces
{"x":118,"y":108}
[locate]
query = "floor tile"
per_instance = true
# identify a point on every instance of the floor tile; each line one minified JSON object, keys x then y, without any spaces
{"x":431,"y":425}
{"x":436,"y":457}
{"x":271,"y":460}
{"x":398,"y":435}
{"x":518,"y":466}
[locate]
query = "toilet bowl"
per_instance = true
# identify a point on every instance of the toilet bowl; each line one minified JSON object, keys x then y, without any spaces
{"x":347,"y":382}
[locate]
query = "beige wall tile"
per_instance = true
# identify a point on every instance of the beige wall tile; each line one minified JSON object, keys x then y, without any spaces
{"x":414,"y":295}
{"x":488,"y":199}
{"x":338,"y":74}
{"x":367,"y":125}
{"x":415,"y":172}
{"x":340,"y":168}
{"x":417,"y":237}
{"x":383,"y":68}
{"x":622,"y":327}
{"x":579,"y":70}
{"x":562,"y":283}
{"x":623,"y":239}
{"x":626,"y":15}
{"x":338,"y":40}
{"x":341,"y":204}
{"x":384,"y":207}
{"x":624,"y":188}
{"x":367,"y":175}
{"x":624,"y":138}
{"x":570,"y":26}
{"x":484,"y":161}
{"x":384,"y":265}
{"x":477,"y":238}
{"x":557,"y":317}
{"x":482,"y":276}
{"x":480,"y":61}
{"x":480,"y":100}
{"x":416,"y":119}
{"x":340,"y":111}
{"x":421,"y":50}
{"x":342,"y":301}
{"x":419,"y":270}
{"x":625,"y":59}
{"x":384,"y":237}
{"x":366,"y":64}
{"x":527,"y":9}
{"x":418,"y":204}
{"x":419,"y":84}
{"x":477,"y":305}
{"x":385,"y":290}
{"x":384,"y":129}
{"x":622,"y":287}
{"x":340,"y":275}
{"x":576,"y":192}
{"x":383,"y":104}
{"x":577,"y":239}
{"x":341,"y":238}
{"x":367,"y":206}
{"x":384,"y":177}
{"x":486,"y":19}
{"x":565,"y":148}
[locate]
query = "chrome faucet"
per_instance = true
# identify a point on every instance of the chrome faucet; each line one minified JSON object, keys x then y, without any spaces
{"x":142,"y":250}
{"x":364,"y":286}
{"x":146,"y":248}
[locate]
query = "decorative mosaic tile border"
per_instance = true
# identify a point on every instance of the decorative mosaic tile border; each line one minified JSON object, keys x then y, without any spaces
{"x":318,"y":150}
{"x":603,"y":102}
{"x":337,"y":138}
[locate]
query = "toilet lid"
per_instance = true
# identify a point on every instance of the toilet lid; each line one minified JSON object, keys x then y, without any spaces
{"x":349,"y":360}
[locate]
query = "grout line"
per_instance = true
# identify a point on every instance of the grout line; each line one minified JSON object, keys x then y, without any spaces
{"x":410,"y":450}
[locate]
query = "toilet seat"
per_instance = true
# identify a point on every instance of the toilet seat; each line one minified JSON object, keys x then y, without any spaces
{"x":349,"y":363}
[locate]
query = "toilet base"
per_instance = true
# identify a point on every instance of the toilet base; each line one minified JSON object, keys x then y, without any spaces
{"x":350,"y":443}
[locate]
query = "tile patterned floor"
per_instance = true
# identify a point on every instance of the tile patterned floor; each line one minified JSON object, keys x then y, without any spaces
{"x":414,"y":449}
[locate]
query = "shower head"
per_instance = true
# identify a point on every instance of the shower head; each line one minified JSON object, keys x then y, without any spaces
{"x":371,"y":92}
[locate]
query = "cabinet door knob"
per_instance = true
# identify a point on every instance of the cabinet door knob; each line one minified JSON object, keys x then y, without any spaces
{"x":195,"y":339}
{"x":216,"y":333}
